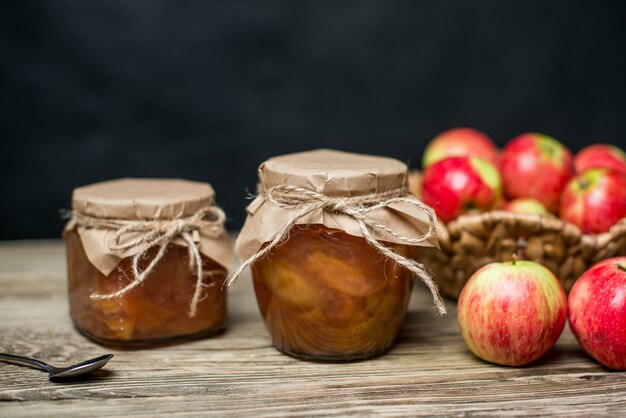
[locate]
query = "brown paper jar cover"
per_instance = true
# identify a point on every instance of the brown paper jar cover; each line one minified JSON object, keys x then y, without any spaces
{"x":332,"y":173}
{"x":325,"y":293}
{"x":157,"y":310}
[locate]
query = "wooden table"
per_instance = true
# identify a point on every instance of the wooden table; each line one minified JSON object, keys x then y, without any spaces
{"x":429,"y":372}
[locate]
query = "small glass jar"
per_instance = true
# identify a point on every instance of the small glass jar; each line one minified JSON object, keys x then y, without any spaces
{"x":158,"y":310}
{"x":328,"y":295}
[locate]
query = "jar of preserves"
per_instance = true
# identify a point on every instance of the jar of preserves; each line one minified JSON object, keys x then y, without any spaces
{"x":146,"y":261}
{"x":330,"y":240}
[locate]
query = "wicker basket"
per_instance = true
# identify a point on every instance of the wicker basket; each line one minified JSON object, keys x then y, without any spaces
{"x":471,"y":241}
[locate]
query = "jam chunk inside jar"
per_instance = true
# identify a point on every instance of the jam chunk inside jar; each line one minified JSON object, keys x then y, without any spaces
{"x":328,"y":295}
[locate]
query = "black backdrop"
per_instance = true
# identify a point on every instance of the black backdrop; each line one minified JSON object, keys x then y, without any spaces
{"x":93,"y":90}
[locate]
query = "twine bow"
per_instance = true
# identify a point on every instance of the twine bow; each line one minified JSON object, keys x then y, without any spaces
{"x":307,"y":201}
{"x":158,"y":233}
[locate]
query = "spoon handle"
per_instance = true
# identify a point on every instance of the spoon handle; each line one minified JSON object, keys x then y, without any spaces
{"x":25,"y":361}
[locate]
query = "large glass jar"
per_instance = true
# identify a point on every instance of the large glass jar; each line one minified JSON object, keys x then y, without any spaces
{"x":146,"y":261}
{"x":153,"y":313}
{"x":331,"y":240}
{"x":328,"y":295}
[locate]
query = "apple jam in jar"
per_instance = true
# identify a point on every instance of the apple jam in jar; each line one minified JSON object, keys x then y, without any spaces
{"x":330,"y":240}
{"x":172,"y":227}
{"x":325,"y":294}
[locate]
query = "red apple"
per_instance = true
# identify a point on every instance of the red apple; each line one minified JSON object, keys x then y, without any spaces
{"x":594,"y":200}
{"x":459,"y":185}
{"x":600,"y":156}
{"x":460,"y":142}
{"x":536,"y":166}
{"x":597,"y":312}
{"x":529,"y":206}
{"x":512,"y":313}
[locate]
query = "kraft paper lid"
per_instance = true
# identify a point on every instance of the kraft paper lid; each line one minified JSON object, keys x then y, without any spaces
{"x":334,"y":174}
{"x":143,"y":199}
{"x":132,"y":198}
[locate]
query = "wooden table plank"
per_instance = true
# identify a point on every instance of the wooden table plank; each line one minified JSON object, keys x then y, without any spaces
{"x":429,"y":371}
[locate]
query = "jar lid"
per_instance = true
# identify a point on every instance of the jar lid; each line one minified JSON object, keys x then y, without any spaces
{"x":133,"y":198}
{"x":161,"y":203}
{"x":334,"y":173}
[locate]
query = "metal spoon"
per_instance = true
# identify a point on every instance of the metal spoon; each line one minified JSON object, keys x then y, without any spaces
{"x":58,"y":372}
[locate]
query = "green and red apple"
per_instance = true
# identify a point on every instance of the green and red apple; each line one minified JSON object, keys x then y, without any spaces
{"x":460,"y":142}
{"x":459,"y":185}
{"x":601,"y":156}
{"x":536,"y":166}
{"x":597,"y":312}
{"x":512,"y":313}
{"x":594,"y":200}
{"x":528,"y":206}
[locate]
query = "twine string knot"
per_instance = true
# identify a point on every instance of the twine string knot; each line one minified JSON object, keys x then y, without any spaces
{"x":148,"y":233}
{"x":306,"y":201}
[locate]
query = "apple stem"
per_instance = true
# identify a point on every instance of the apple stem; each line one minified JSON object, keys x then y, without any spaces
{"x":583,"y":183}
{"x":514,"y":259}
{"x":620,"y":266}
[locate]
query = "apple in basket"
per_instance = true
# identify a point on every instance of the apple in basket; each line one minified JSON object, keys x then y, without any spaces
{"x":512,"y":313}
{"x":594,"y":200}
{"x":600,"y":156}
{"x":536,"y":166}
{"x":597,"y":312}
{"x":528,"y":206}
{"x":460,"y":142}
{"x":459,"y":185}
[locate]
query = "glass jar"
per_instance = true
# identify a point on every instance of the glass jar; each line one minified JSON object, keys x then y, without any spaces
{"x":328,"y":295}
{"x":166,"y":297}
{"x":331,"y":239}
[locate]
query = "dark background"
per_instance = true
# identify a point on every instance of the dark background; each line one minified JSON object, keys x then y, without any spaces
{"x":94,"y":90}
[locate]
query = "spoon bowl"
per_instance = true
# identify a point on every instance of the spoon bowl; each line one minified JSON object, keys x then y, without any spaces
{"x":73,"y":371}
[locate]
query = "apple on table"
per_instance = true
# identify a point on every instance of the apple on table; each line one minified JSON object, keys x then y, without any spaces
{"x":512,"y":313}
{"x":597,"y":312}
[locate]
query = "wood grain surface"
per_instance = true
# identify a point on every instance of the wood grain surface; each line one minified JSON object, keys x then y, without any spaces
{"x":428,"y":372}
